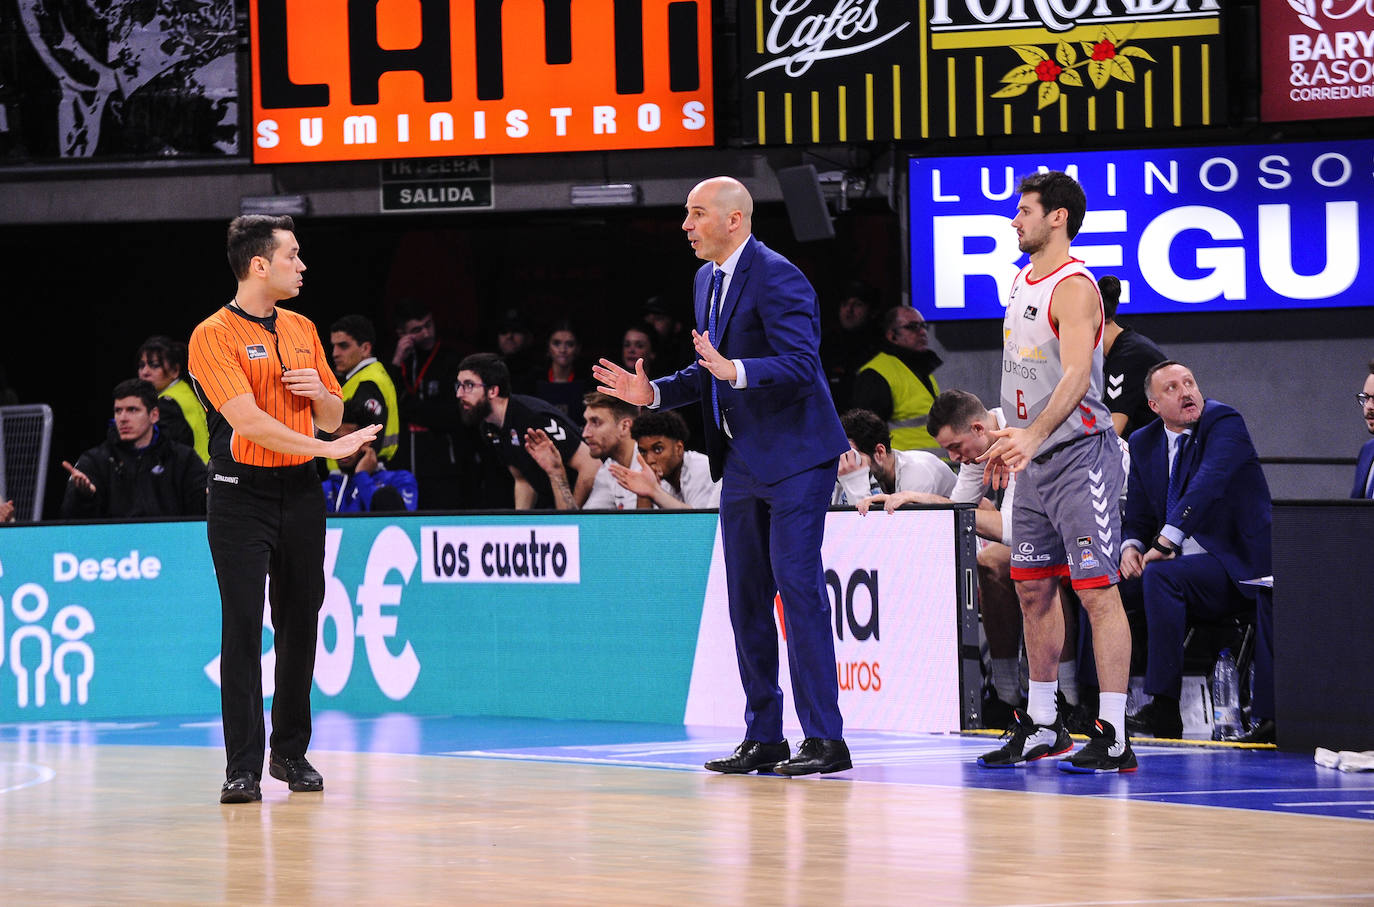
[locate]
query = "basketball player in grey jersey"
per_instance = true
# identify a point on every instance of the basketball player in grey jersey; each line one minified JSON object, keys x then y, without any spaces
{"x":1066,"y":520}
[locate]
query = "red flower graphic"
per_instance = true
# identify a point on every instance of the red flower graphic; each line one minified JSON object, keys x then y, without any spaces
{"x":1109,"y":57}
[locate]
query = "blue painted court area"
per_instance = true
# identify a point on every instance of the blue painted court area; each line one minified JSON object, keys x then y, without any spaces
{"x":1200,"y":775}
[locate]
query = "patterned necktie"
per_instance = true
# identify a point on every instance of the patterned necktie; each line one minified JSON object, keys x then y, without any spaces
{"x":1176,"y":473}
{"x":717,"y":280}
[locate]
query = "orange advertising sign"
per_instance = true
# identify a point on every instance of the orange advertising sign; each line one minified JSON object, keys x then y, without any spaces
{"x":373,"y":79}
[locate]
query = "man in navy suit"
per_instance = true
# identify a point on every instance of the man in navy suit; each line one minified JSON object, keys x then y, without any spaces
{"x":1196,"y":530}
{"x":772,"y":433}
{"x":1364,"y":468}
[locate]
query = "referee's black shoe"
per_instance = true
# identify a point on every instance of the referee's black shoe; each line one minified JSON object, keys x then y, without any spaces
{"x":298,"y":773}
{"x":240,"y":787}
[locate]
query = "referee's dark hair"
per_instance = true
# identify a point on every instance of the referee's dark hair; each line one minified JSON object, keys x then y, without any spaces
{"x":661,"y":423}
{"x":491,"y":368}
{"x":867,"y":430}
{"x":359,"y":327}
{"x":137,"y":387}
{"x":251,"y":235}
{"x":1110,"y":288}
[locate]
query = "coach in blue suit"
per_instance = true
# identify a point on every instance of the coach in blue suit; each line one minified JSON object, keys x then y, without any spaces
{"x":772,"y":433}
{"x":1364,"y":487}
{"x":1197,"y":527}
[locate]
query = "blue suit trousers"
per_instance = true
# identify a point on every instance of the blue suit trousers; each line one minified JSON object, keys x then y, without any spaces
{"x":771,"y":535}
{"x":1195,"y":585}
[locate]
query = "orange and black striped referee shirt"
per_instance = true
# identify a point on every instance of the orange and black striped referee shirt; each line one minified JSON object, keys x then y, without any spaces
{"x":234,"y":353}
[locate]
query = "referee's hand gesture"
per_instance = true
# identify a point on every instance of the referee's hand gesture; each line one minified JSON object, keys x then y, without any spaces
{"x":304,"y":382}
{"x":347,"y":445}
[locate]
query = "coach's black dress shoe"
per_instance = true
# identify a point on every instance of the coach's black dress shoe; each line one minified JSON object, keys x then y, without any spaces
{"x":240,"y":787}
{"x":817,"y":756}
{"x":298,"y":774}
{"x":1264,"y":732}
{"x":751,"y":756}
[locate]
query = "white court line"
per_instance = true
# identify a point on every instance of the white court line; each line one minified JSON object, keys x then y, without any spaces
{"x":1330,"y":803}
{"x":42,"y":772}
{"x":648,"y":748}
{"x":73,"y":724}
{"x":1358,"y":896}
{"x":579,"y":760}
{"x":928,"y":785}
{"x":1255,"y":790}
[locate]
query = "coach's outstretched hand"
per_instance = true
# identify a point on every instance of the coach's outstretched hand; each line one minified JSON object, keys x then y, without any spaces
{"x":711,"y":359}
{"x":617,"y":382}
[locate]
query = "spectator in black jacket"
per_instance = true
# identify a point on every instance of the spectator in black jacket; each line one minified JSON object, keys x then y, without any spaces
{"x":135,"y":472}
{"x":434,"y":447}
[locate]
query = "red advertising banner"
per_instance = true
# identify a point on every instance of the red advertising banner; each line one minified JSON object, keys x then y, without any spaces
{"x":369,"y":79}
{"x":1316,"y":59}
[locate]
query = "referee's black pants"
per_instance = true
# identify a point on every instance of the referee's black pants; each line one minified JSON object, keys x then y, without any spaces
{"x":266,"y":522}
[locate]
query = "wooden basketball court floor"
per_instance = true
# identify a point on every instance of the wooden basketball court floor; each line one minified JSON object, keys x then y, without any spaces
{"x":502,"y":811}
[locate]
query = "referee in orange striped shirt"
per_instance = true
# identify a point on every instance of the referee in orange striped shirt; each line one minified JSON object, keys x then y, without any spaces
{"x":263,"y":377}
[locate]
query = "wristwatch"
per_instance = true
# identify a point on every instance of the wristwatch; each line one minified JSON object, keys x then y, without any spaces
{"x":1163,"y":549}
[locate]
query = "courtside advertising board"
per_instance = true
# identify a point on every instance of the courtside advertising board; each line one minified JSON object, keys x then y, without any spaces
{"x":1208,"y":229}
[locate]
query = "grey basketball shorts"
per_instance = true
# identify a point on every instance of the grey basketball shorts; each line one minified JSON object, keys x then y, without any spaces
{"x":1066,"y":516}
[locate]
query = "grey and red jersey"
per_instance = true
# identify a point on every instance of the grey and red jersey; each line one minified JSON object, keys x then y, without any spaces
{"x":1031,"y":363}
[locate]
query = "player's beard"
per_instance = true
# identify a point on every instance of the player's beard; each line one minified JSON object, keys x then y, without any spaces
{"x":473,"y":415}
{"x":1031,"y":244}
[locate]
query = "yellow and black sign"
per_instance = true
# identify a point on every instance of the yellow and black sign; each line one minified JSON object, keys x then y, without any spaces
{"x":1049,"y":66}
{"x":825,"y":71}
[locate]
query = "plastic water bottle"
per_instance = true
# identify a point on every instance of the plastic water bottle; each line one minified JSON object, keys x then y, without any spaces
{"x":1225,"y":698}
{"x":1251,"y":721}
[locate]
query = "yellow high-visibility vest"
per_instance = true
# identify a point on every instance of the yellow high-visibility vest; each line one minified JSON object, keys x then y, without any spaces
{"x":911,"y":402}
{"x":180,"y":393}
{"x":390,"y":438}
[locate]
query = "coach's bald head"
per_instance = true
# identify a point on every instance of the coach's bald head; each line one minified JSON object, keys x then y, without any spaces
{"x":719,"y":219}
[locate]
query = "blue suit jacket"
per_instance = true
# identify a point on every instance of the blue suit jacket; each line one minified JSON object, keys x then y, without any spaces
{"x":1224,"y":504}
{"x":1362,"y":468}
{"x":783,"y":421}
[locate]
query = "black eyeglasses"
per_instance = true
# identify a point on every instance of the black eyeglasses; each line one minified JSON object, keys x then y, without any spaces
{"x":461,"y":386}
{"x":1364,"y":399}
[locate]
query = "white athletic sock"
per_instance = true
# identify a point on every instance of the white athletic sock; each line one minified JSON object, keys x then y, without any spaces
{"x":1040,"y":704}
{"x":1006,"y":680}
{"x":1111,"y":707}
{"x":1068,"y":681}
